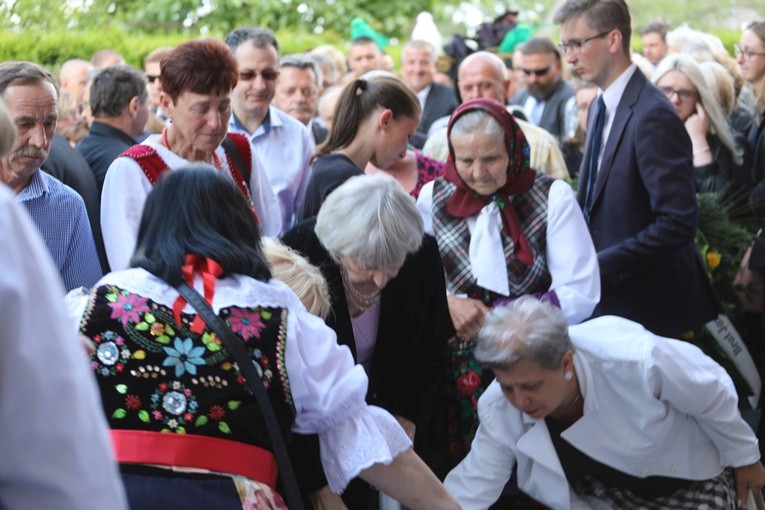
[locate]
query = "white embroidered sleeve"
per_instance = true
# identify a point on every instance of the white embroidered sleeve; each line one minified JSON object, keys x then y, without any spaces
{"x":329,"y":394}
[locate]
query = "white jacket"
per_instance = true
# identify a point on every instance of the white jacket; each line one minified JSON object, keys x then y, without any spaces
{"x":652,"y":406}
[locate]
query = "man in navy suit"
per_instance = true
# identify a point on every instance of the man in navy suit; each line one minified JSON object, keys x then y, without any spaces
{"x":636,"y":186}
{"x":418,"y":66}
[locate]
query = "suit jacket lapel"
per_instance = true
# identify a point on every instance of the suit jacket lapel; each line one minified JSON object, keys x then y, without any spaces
{"x":621,"y":117}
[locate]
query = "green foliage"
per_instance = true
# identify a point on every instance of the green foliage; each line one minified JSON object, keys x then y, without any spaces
{"x":215,"y":17}
{"x":51,"y":31}
{"x":52,"y":48}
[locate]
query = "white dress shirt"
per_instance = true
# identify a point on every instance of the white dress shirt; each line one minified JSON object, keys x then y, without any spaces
{"x":284,"y":146}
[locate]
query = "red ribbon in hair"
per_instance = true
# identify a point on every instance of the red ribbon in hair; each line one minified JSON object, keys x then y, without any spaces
{"x":465,"y":202}
{"x":209,"y":270}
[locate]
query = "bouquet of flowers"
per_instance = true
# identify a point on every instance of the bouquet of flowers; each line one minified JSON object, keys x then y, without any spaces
{"x":722,"y":242}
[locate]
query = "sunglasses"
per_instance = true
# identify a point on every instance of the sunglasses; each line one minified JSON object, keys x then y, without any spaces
{"x":268,"y":75}
{"x":536,"y":72}
{"x":152,"y":78}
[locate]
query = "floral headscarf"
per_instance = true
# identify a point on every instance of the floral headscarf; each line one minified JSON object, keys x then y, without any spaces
{"x":465,"y":202}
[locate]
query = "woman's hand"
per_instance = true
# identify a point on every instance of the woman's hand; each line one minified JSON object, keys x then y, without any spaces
{"x":325,"y":499}
{"x":751,"y":477}
{"x":697,"y":126}
{"x":467,"y":316}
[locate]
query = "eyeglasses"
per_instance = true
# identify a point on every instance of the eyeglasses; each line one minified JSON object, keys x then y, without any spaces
{"x":152,"y":78}
{"x":575,"y":45}
{"x":536,"y":72}
{"x":267,"y":74}
{"x":683,"y":94}
{"x":746,"y":53}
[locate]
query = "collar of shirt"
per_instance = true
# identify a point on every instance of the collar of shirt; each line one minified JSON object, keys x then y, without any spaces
{"x":36,"y":188}
{"x":611,"y":97}
{"x":613,"y":94}
{"x":423,"y":95}
{"x":234,"y":124}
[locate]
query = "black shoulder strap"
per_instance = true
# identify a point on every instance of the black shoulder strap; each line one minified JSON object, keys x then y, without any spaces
{"x":236,"y":348}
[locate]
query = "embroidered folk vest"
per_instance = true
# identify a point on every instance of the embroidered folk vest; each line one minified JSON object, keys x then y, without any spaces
{"x":156,"y":375}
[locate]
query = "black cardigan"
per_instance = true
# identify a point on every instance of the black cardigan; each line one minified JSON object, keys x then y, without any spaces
{"x":412,"y":336}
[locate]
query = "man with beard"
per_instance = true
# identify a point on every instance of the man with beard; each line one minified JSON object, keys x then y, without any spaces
{"x":546,"y":93}
{"x":282,"y":143}
{"x":31,"y":95}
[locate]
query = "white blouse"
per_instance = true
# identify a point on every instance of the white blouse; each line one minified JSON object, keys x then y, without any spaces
{"x":126,"y":188}
{"x":328,"y":389}
{"x":571,"y":257}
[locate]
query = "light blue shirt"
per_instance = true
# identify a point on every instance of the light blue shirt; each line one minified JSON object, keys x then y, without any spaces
{"x":60,"y":216}
{"x":284,"y":146}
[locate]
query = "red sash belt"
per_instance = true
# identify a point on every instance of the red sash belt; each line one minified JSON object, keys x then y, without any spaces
{"x":193,"y":451}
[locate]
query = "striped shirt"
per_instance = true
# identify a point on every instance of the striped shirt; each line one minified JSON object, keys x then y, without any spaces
{"x":60,"y":216}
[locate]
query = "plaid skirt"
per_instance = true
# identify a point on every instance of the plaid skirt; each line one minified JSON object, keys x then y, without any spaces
{"x":718,"y":493}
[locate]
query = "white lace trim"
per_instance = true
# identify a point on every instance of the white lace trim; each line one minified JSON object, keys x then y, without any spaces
{"x":372,"y":436}
{"x":236,"y":290}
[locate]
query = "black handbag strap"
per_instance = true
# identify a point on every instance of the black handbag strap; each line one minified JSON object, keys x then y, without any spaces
{"x":236,"y":348}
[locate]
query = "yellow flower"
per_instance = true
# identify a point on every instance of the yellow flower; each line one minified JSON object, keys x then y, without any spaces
{"x":713,"y":259}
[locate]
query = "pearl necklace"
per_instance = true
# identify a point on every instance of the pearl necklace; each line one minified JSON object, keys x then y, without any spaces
{"x":359,"y":299}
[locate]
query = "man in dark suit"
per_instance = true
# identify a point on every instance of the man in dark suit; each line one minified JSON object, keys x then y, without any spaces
{"x":418,"y":66}
{"x":546,"y":94}
{"x":636,"y":186}
{"x":119,"y":102}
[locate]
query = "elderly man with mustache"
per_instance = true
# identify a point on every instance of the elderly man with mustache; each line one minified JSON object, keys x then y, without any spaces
{"x":31,"y":94}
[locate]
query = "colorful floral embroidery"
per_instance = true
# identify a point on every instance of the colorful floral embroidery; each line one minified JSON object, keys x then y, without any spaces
{"x":160,"y":331}
{"x":126,"y":306}
{"x":168,"y":374}
{"x":247,"y":323}
{"x":174,"y":405}
{"x":110,"y":355}
{"x":184,"y":356}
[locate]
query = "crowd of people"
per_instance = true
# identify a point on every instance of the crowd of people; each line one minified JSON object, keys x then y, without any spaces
{"x":437,"y":318}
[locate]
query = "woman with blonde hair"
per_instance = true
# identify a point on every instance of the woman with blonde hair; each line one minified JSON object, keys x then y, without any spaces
{"x":302,"y":277}
{"x":717,"y":155}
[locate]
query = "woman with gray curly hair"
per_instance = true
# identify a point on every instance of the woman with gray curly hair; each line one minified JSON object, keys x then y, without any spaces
{"x":388,"y":298}
{"x":603,"y":414}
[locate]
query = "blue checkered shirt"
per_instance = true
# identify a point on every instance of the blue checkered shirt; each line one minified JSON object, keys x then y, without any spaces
{"x":59,"y":214}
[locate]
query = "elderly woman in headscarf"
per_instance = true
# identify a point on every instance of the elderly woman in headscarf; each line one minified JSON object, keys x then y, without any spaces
{"x":503,"y":230}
